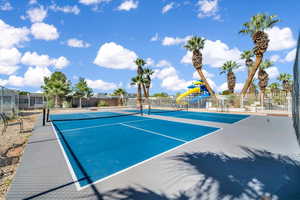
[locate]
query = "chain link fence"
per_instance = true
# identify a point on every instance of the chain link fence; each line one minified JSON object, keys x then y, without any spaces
{"x":9,"y":101}
{"x":277,"y":104}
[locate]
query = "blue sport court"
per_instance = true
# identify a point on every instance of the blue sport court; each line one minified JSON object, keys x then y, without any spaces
{"x":98,"y":148}
{"x":204,"y":116}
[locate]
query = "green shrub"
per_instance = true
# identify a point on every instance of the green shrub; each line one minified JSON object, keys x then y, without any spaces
{"x":102,"y":103}
{"x":50,"y":103}
{"x":66,"y":104}
{"x":226,"y":92}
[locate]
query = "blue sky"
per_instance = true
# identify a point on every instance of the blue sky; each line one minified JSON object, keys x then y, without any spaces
{"x":99,"y":39}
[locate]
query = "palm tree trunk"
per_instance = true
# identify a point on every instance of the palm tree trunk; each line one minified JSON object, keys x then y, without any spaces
{"x":251,"y":75}
{"x":262,"y":96}
{"x":145,"y":94}
{"x":148,"y":100}
{"x":80,"y":102}
{"x":211,"y":92}
{"x":139,"y":97}
{"x":56,"y":101}
{"x":122,"y":97}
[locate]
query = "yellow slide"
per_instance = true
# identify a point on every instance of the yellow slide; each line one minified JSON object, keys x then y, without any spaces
{"x":191,"y":91}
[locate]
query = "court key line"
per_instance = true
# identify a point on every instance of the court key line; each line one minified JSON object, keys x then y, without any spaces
{"x":111,"y":124}
{"x":155,"y":133}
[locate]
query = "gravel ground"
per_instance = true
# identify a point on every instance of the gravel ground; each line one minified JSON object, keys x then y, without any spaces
{"x":12,"y":144}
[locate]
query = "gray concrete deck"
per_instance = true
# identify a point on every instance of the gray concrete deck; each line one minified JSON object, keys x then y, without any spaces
{"x":254,"y":157}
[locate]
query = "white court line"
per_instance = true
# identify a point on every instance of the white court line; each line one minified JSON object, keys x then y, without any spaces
{"x":149,"y":159}
{"x":155,"y":133}
{"x":73,"y":175}
{"x":205,"y":115}
{"x":88,"y":127}
{"x":75,"y":179}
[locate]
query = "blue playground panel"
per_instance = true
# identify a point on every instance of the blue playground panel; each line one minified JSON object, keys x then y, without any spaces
{"x":106,"y":146}
{"x":205,"y":116}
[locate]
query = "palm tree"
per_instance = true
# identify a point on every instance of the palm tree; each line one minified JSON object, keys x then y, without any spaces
{"x":140,"y":63}
{"x":138,"y":81}
{"x":147,"y":82}
{"x":147,"y":74}
{"x":274,"y":87}
{"x":57,"y":86}
{"x":247,"y":56}
{"x":256,"y":27}
{"x":195,"y":44}
{"x":286,"y":80}
{"x":82,"y":90}
{"x":120,"y":92}
{"x":228,"y":68}
{"x":263,"y":77}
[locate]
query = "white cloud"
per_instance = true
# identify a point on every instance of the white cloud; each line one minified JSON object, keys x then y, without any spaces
{"x":169,"y":77}
{"x":224,"y":86}
{"x":114,"y":56}
{"x":163,"y":63}
{"x":34,"y":59}
{"x":3,"y":82}
{"x":7,"y":70}
{"x":101,"y":85}
{"x":32,"y":2}
{"x":154,"y":38}
{"x":206,"y":74}
{"x":11,"y":36}
{"x":167,"y":7}
{"x":168,"y":41}
{"x":73,"y":42}
{"x":66,"y":9}
{"x":272,"y":72}
{"x":60,"y":62}
{"x":9,"y":60}
{"x":92,"y":2}
{"x":37,"y":14}
{"x":33,"y":77}
{"x":275,"y":58}
{"x":280,"y":38}
{"x":290,"y":56}
{"x":44,"y":31}
{"x":208,"y":8}
{"x":149,"y":61}
{"x":128,"y":5}
{"x":6,"y":6}
{"x":215,"y":53}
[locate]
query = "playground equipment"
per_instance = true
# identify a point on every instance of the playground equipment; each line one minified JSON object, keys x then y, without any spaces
{"x":197,"y":87}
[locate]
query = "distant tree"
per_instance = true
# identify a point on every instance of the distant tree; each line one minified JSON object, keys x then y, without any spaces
{"x":286,"y":80}
{"x":274,"y":88}
{"x":263,"y":77}
{"x":56,"y":86}
{"x":228,"y":68}
{"x":23,"y":93}
{"x":162,"y":94}
{"x":120,"y":92}
{"x":82,"y":90}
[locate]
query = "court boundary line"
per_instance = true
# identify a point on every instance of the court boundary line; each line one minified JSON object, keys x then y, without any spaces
{"x":102,"y":125}
{"x":75,"y":179}
{"x":70,"y":168}
{"x":180,"y":116}
{"x":149,"y":159}
{"x":154,"y":133}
